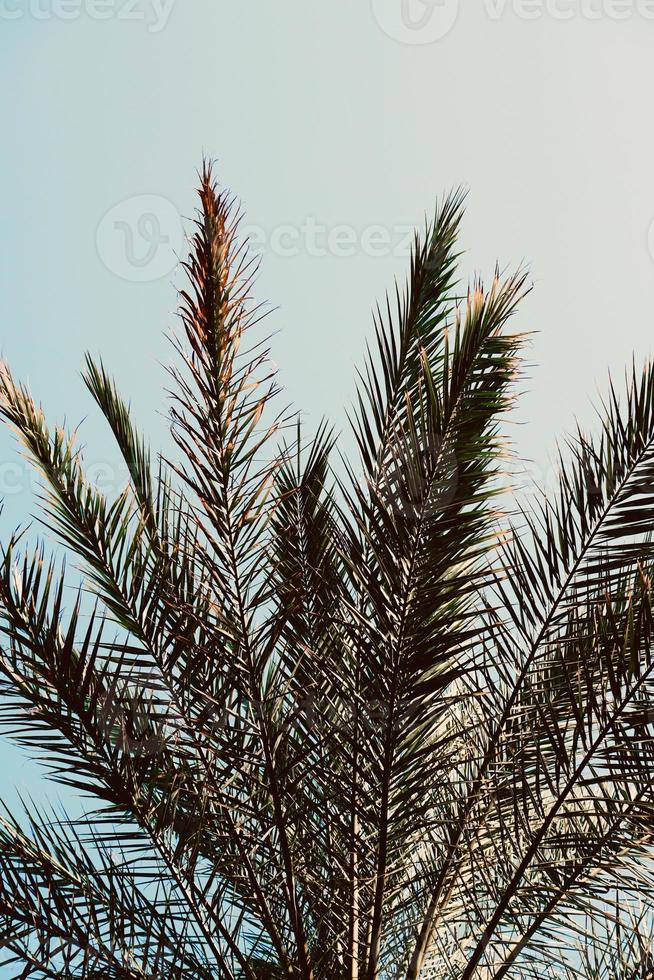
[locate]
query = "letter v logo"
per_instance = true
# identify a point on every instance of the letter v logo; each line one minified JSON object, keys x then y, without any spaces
{"x":416,"y":21}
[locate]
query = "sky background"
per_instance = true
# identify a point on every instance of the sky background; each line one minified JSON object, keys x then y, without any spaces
{"x":337,"y":124}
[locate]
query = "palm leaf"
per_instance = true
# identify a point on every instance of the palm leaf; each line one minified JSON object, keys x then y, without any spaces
{"x":336,"y":723}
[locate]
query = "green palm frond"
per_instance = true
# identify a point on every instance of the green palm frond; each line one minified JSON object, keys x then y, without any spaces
{"x":336,"y":721}
{"x":68,"y":907}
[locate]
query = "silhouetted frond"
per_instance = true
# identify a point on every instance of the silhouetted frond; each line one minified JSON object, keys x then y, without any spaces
{"x":337,"y":722}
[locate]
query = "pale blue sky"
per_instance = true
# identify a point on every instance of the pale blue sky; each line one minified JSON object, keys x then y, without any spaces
{"x":337,"y":124}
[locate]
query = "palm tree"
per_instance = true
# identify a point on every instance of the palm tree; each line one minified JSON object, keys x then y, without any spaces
{"x":335,"y":721}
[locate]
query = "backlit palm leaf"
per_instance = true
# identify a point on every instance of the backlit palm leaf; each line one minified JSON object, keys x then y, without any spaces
{"x":339,"y":722}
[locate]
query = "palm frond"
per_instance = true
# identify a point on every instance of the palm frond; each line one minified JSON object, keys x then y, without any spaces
{"x":337,"y":723}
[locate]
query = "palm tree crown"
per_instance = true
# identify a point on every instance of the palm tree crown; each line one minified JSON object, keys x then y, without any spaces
{"x":339,"y":722}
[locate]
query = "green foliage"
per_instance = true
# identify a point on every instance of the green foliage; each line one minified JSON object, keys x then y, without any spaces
{"x":337,"y":722}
